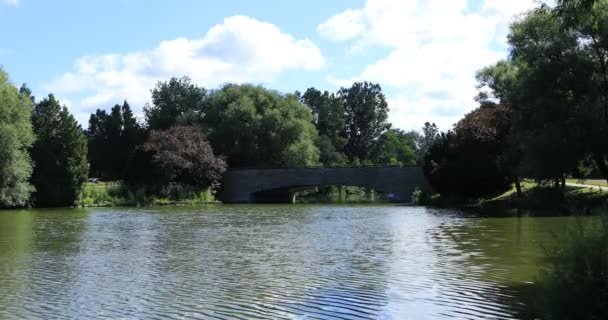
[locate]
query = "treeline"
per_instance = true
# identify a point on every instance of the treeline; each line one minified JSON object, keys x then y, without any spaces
{"x":43,"y":151}
{"x":189,"y":136}
{"x":543,"y":112}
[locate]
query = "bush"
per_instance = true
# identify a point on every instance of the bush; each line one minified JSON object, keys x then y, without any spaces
{"x":419,"y":197}
{"x":576,"y":284}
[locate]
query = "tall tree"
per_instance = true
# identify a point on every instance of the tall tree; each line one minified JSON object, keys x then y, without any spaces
{"x":112,"y":139}
{"x":254,"y":126}
{"x":16,"y":136}
{"x":173,"y":100}
{"x":366,"y":118}
{"x":469,"y":160}
{"x":329,"y":118}
{"x":60,"y":154}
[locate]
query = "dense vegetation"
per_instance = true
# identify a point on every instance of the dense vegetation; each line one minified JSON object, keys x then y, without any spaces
{"x":16,"y":137}
{"x":188,"y":137}
{"x":543,"y":112}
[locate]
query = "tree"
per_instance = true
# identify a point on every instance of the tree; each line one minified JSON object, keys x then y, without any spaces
{"x":430,"y":133}
{"x":16,"y":136}
{"x":60,"y":154}
{"x":395,"y":148}
{"x":172,"y":100}
{"x":112,"y":139}
{"x":253,"y":126}
{"x":366,"y":118}
{"x":330,"y":119}
{"x":554,"y":84}
{"x":185,"y":156}
{"x":469,"y":160}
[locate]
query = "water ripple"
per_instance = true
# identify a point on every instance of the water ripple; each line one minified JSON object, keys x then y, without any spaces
{"x":262,"y":262}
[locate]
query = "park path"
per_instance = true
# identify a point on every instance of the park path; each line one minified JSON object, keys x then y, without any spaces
{"x":587,"y":186}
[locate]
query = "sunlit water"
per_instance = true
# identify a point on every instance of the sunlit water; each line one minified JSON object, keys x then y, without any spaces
{"x":274,"y":262}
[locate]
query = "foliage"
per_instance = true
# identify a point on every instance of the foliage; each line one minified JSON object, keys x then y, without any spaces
{"x":60,"y":154}
{"x":576,"y":284}
{"x":329,"y":118}
{"x":556,"y":82}
{"x":468,"y":161}
{"x":112,"y":139}
{"x":394,"y":147}
{"x":101,"y":194}
{"x":16,"y":136}
{"x":172,"y":101}
{"x":419,"y":197}
{"x":253,"y":126}
{"x":366,"y":118}
{"x":184,"y":155}
{"x":424,"y":141}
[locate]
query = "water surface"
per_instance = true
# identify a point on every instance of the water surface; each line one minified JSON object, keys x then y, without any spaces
{"x":266,"y":262}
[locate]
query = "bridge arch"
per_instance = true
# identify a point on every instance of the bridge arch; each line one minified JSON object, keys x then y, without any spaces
{"x":279,"y":184}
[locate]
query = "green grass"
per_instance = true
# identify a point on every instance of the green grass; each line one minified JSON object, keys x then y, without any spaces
{"x":591,"y":182}
{"x":545,"y":198}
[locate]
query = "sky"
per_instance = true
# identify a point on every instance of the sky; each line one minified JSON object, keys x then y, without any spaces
{"x":93,"y":54}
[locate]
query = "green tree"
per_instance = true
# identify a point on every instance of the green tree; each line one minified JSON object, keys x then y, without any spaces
{"x":395,"y":148}
{"x":60,"y":154}
{"x":556,"y":83}
{"x":469,"y":160}
{"x":329,"y":118}
{"x":366,"y":118}
{"x":112,"y":139}
{"x":16,"y":136}
{"x":424,"y":141}
{"x":254,"y":126}
{"x":172,"y":101}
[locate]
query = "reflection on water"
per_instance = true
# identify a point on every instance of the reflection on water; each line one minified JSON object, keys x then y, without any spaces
{"x":244,"y":262}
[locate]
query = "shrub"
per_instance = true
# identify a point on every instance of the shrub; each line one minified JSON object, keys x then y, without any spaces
{"x":575,"y":286}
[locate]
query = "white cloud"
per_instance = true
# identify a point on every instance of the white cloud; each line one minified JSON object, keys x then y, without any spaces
{"x":241,"y":49}
{"x":436,"y":46}
{"x":343,"y":26}
{"x":13,"y":3}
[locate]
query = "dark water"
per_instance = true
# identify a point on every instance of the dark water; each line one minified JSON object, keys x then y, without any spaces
{"x":266,"y":262}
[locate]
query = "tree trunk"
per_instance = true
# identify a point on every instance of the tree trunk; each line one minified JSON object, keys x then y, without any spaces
{"x":563,"y":182}
{"x":518,"y":186}
{"x":601,"y":164}
{"x":556,"y":182}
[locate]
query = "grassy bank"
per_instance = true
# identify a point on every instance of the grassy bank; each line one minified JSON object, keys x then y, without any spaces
{"x":592,"y":182}
{"x":535,"y":197}
{"x":104,"y":194}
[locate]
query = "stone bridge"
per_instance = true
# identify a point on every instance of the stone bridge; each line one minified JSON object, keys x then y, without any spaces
{"x":246,"y":185}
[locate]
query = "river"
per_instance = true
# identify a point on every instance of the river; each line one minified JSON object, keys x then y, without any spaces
{"x":267,"y":262}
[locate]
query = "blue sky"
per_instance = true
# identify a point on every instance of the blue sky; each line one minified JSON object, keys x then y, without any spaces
{"x":95,"y":53}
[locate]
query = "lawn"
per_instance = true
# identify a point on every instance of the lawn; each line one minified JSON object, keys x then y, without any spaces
{"x":592,"y":182}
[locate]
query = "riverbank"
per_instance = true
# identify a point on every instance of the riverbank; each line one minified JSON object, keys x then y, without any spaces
{"x":571,"y":200}
{"x":115,"y":193}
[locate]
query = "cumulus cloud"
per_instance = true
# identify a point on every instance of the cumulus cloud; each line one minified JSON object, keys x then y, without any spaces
{"x":241,"y":49}
{"x":435,"y":48}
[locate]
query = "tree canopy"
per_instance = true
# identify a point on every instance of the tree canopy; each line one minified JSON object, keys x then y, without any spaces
{"x":254,"y":126}
{"x":16,"y":136}
{"x":366,"y":118}
{"x":112,"y":138}
{"x":60,"y":154}
{"x":172,"y":101}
